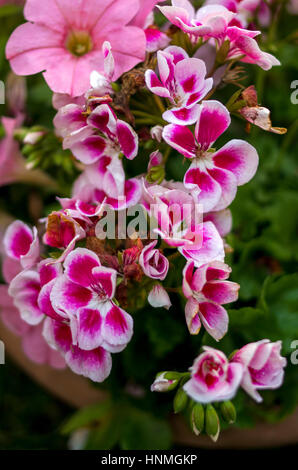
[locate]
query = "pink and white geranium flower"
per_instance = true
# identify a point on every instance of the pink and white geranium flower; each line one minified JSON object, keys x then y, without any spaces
{"x":263,"y":366}
{"x":182,"y":81}
{"x":101,"y":133}
{"x":216,"y":22}
{"x":206,"y":290}
{"x":213,"y":175}
{"x":85,"y":292}
{"x":65,"y":43}
{"x":213,"y":377}
{"x":22,"y":244}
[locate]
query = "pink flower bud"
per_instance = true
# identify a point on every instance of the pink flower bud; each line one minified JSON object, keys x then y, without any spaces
{"x":153,"y":263}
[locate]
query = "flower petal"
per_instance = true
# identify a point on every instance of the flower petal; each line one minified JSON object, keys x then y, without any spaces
{"x":221,"y":292}
{"x":24,"y":289}
{"x":68,"y":296}
{"x":128,"y":139}
{"x":214,"y":318}
{"x":79,"y":264}
{"x":117,"y":328}
{"x":214,"y":119}
{"x":181,"y":139}
{"x":238,"y":157}
{"x":89,"y":328}
{"x":209,"y":190}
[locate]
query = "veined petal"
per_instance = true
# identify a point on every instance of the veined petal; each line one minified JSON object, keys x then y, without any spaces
{"x":240,"y":158}
{"x":214,"y":119}
{"x":88,"y":151}
{"x":181,"y":139}
{"x":24,"y":289}
{"x":17,"y":239}
{"x":95,"y":364}
{"x":155,"y":85}
{"x":228,"y":185}
{"x":68,"y":296}
{"x":182,"y":116}
{"x":221,"y":292}
{"x":192,"y":316}
{"x":210,"y":190}
{"x":79,"y":264}
{"x":117,"y":328}
{"x":89,"y":328}
{"x":106,"y":278}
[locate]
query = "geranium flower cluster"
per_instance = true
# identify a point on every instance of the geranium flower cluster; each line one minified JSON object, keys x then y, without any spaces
{"x":76,"y":287}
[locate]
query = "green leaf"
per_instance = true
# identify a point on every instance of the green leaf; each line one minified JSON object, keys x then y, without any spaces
{"x":87,"y":416}
{"x":143,"y":431}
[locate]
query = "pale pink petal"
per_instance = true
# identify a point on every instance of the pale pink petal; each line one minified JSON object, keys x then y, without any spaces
{"x":32,"y":48}
{"x":128,"y":45}
{"x":155,"y":85}
{"x":214,"y":318}
{"x":222,"y":221}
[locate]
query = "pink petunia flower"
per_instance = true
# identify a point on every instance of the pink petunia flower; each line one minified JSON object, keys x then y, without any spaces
{"x":85,"y":292}
{"x":263,"y":366}
{"x":182,"y":81}
{"x":213,"y":175}
{"x":213,"y":377}
{"x":65,"y":42}
{"x":206,"y":290}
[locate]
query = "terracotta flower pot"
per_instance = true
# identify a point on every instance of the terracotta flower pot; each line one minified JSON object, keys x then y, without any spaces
{"x":78,"y":392}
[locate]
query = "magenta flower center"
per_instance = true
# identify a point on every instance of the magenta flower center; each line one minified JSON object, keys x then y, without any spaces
{"x":79,"y":43}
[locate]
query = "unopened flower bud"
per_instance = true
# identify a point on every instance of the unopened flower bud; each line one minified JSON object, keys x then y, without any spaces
{"x":212,"y":425}
{"x":197,"y":418}
{"x":180,"y":401}
{"x":228,"y":412}
{"x":163,"y":384}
